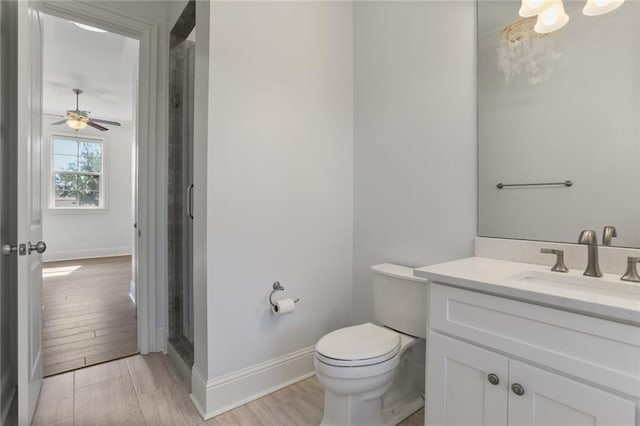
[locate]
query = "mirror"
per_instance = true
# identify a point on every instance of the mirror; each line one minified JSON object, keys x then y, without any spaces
{"x":559,"y":107}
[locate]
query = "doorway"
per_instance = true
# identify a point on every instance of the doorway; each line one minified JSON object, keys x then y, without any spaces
{"x":22,"y":35}
{"x":88,"y":192}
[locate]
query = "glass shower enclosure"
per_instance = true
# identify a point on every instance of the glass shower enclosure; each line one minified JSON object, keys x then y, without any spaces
{"x":180,"y":187}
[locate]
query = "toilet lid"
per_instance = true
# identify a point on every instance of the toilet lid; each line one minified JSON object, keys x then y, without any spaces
{"x":360,"y":342}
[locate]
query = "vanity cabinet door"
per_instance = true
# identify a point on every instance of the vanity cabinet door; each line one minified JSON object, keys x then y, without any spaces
{"x":459,"y":389}
{"x":539,"y":397}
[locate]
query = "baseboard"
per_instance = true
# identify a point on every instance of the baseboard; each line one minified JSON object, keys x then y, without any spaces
{"x":8,"y":390}
{"x":132,"y":291}
{"x":198,"y":391}
{"x":216,"y":396}
{"x":53,"y":256}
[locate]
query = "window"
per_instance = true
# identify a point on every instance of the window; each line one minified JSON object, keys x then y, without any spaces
{"x":76,"y":173}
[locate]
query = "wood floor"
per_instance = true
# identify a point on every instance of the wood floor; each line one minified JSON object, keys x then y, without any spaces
{"x":147,"y":390}
{"x":88,"y":315}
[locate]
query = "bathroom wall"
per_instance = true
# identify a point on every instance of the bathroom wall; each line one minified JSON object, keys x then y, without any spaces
{"x":79,"y":234}
{"x":279,"y":192}
{"x":280,"y":167}
{"x":415,"y":136}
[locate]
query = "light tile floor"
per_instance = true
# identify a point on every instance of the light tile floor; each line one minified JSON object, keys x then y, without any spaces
{"x":147,"y":390}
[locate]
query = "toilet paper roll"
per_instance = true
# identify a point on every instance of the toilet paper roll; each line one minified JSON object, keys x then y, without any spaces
{"x":283,"y":307}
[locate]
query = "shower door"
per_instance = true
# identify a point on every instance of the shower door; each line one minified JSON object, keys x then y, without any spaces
{"x":181,"y":62}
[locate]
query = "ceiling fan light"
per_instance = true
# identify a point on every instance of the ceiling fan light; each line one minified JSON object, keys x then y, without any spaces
{"x":552,"y":18}
{"x":76,"y":124}
{"x":600,"y":7}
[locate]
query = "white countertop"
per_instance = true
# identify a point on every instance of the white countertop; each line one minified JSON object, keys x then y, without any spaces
{"x":495,"y":276}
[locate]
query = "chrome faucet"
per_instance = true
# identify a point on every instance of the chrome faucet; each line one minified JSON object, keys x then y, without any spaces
{"x":607,"y":234}
{"x":591,"y":240}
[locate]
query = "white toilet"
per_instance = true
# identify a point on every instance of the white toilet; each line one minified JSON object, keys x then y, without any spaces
{"x":374,"y":375}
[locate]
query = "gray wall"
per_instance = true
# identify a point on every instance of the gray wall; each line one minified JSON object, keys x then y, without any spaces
{"x":279,"y":177}
{"x":415,"y":136}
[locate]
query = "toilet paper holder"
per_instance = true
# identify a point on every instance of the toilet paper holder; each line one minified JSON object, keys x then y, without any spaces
{"x":278,"y":287}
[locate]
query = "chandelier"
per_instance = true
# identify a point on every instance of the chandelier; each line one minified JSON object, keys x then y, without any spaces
{"x":525,"y":54}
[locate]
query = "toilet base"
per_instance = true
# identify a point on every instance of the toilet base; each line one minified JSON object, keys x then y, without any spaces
{"x":394,"y":415}
{"x":355,"y":411}
{"x":343,"y":410}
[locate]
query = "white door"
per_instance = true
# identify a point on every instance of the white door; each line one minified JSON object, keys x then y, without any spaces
{"x":5,"y":319}
{"x":28,"y":66}
{"x":466,"y":385}
{"x":539,"y":397}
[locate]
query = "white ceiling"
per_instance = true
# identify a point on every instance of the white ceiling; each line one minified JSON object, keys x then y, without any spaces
{"x":101,"y":64}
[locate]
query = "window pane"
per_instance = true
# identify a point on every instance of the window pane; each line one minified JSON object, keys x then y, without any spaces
{"x":72,"y":189}
{"x":89,"y":199}
{"x":89,"y":191}
{"x":65,"y":188}
{"x":90,"y":164}
{"x":90,"y":157}
{"x":88,"y":183}
{"x":91,"y":148}
{"x":67,"y":147}
{"x":65,"y":163}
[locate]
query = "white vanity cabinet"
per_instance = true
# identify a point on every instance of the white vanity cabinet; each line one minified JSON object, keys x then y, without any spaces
{"x":458,"y":388}
{"x":498,"y":361}
{"x":552,"y":399}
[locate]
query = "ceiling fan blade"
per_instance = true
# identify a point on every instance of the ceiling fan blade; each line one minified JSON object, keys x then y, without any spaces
{"x":113,"y":123}
{"x":96,"y":126}
{"x":59,"y":122}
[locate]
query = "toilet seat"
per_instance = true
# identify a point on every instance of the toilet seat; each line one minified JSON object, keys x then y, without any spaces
{"x":358,"y":346}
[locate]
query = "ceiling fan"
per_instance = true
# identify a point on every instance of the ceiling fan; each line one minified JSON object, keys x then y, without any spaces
{"x":78,"y":120}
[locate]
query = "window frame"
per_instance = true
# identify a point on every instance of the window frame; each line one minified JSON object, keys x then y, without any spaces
{"x":50,"y":184}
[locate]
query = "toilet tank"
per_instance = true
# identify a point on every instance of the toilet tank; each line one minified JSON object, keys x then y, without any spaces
{"x":400,"y":299}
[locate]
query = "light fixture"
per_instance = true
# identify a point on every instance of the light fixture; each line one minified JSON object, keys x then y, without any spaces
{"x":551,"y":14}
{"x":533,"y":7}
{"x":76,"y":124}
{"x":599,"y":7}
{"x":525,"y":54}
{"x":552,"y":18}
{"x":88,"y":27}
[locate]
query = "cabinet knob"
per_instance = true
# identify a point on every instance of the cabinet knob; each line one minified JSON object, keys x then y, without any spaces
{"x":517,"y":389}
{"x":493,"y":379}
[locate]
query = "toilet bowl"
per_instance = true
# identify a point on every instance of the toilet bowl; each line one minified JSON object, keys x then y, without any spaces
{"x":357,"y":366}
{"x":371,"y":374}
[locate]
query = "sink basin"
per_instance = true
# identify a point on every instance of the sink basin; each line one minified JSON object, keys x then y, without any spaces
{"x":557,"y":280}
